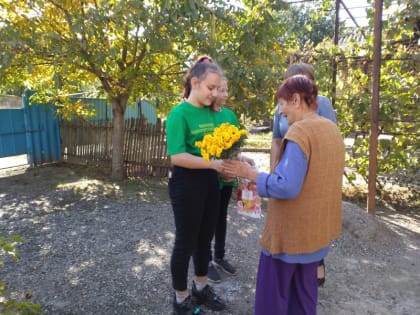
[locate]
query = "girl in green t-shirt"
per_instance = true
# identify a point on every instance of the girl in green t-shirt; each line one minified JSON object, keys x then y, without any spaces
{"x":193,"y":188}
{"x":222,"y":115}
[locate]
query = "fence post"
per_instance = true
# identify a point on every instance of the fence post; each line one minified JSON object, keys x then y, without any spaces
{"x":27,"y":120}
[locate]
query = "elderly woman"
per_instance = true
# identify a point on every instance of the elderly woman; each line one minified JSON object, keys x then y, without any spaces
{"x":304,"y":206}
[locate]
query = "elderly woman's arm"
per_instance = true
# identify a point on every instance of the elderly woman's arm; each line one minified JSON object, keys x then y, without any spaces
{"x":286,"y":181}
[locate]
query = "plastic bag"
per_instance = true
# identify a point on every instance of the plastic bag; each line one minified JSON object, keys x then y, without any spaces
{"x":248,"y":202}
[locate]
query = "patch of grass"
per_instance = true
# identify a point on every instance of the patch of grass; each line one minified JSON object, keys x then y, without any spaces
{"x":355,"y":196}
{"x":147,"y":189}
{"x":87,"y":179}
{"x":258,"y":140}
{"x":395,"y":197}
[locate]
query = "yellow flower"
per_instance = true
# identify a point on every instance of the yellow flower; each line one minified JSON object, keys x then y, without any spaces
{"x":224,"y":142}
{"x":206,"y":157}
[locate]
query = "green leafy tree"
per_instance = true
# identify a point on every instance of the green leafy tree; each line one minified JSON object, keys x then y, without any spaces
{"x":252,"y":56}
{"x":259,"y":45}
{"x":131,"y":48}
{"x":308,"y":24}
{"x":399,"y":92}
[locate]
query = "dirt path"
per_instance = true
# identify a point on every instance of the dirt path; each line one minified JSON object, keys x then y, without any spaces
{"x":94,"y":247}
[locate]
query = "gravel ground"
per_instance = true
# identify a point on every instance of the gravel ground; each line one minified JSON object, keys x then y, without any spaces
{"x":94,"y":247}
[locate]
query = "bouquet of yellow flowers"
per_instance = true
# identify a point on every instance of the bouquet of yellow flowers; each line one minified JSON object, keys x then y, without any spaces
{"x":224,"y":143}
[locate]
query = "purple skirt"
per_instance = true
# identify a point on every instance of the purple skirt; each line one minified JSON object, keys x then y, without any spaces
{"x":285,"y":289}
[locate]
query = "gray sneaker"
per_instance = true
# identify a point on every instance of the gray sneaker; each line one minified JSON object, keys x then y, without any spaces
{"x":213,"y":275}
{"x":225,"y":266}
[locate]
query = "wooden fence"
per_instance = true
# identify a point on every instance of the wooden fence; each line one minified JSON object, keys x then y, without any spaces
{"x":91,"y":143}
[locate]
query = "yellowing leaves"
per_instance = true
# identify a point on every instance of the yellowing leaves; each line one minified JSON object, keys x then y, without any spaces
{"x":76,"y":109}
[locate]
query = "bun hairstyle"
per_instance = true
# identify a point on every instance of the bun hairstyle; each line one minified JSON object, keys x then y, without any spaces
{"x":300,"y":84}
{"x":199,"y":69}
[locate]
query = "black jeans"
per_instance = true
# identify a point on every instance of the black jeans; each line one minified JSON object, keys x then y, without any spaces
{"x":195,"y":198}
{"x":221,"y":225}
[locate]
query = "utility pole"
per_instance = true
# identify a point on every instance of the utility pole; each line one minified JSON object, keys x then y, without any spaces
{"x":336,"y":36}
{"x":374,"y":125}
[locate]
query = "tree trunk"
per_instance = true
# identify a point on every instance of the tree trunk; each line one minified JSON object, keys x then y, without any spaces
{"x":119,"y":105}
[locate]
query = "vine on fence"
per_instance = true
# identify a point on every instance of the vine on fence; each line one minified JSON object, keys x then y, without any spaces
{"x":398,"y":148}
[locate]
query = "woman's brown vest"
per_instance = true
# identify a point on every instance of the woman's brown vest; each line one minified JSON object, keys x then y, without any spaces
{"x":312,"y":220}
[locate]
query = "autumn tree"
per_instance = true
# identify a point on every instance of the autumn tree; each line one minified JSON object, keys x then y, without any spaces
{"x":133,"y":48}
{"x":129,"y":47}
{"x":252,"y":56}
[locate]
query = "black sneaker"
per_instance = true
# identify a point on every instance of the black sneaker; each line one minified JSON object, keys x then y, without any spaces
{"x":186,"y":308}
{"x":225,"y":266}
{"x":208,"y":298}
{"x":213,"y":275}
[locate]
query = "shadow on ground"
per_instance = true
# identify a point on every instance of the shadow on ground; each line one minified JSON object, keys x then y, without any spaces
{"x":93,"y":246}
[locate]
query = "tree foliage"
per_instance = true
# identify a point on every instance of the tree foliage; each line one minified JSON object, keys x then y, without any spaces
{"x":251,"y":55}
{"x":307,"y":24}
{"x":129,"y":48}
{"x":399,"y":92}
{"x":133,"y":49}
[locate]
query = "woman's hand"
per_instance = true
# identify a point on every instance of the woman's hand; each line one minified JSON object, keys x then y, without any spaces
{"x":239,"y":168}
{"x":227,"y":178}
{"x":244,"y":158}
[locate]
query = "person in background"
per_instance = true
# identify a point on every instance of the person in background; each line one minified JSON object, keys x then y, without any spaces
{"x":193,"y":189}
{"x":304,"y":210}
{"x":280,"y":127}
{"x":222,"y":115}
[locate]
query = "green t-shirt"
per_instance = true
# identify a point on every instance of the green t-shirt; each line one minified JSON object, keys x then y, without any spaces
{"x":226,"y":116}
{"x":187,"y":124}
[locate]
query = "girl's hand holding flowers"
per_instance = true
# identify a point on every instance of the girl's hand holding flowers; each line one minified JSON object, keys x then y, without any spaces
{"x":217,"y":165}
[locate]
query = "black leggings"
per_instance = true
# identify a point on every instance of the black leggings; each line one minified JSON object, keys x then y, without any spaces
{"x":221,"y":225}
{"x":195,"y":200}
